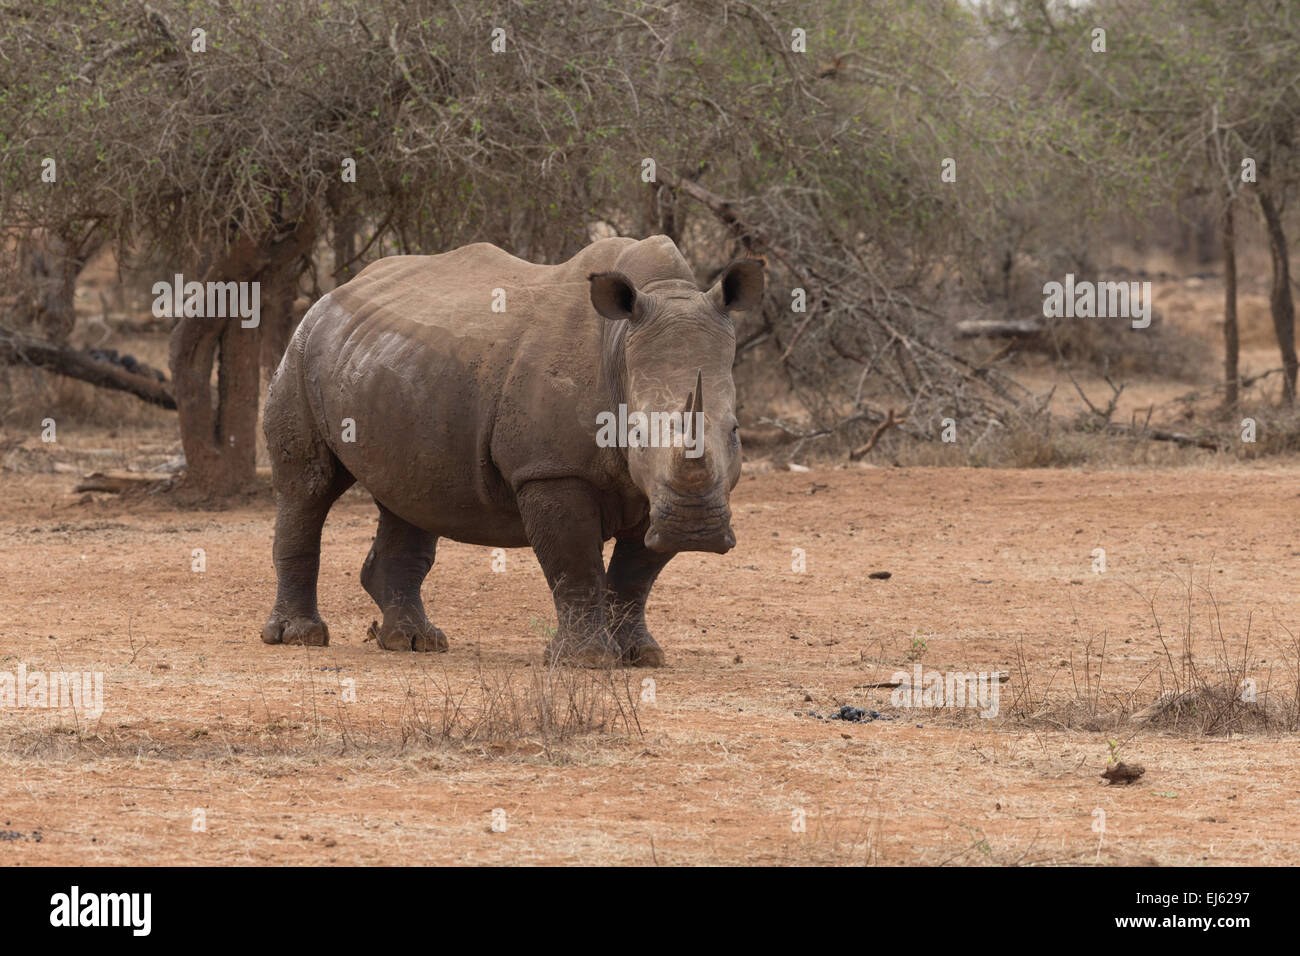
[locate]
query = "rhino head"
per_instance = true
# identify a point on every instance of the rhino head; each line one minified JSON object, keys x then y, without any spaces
{"x":670,"y":350}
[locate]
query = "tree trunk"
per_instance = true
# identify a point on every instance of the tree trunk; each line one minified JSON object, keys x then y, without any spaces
{"x":344,"y":223}
{"x":1279,"y":299}
{"x":279,"y":291}
{"x":1204,"y":233}
{"x":50,"y":265}
{"x":1230,"y":341}
{"x":662,"y":211}
{"x":219,"y":441}
{"x":220,"y":437}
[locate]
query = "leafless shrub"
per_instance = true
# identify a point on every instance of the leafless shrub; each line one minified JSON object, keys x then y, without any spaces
{"x":541,"y":704}
{"x":1222,"y":693}
{"x":1219,"y":696}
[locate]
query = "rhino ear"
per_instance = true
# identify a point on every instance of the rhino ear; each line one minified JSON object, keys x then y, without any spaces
{"x":739,"y":287}
{"x":613,"y":295}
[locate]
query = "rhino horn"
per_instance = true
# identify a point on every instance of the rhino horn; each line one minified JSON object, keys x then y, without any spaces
{"x":692,"y":472}
{"x":694,"y":403}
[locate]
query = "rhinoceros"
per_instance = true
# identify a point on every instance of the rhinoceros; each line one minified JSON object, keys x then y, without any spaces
{"x":464,"y":392}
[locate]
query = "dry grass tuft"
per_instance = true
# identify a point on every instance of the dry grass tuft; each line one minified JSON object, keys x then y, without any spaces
{"x":1195,"y":693}
{"x":546,"y":705}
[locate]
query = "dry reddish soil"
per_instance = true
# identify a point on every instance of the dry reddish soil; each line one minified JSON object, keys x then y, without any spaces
{"x":991,"y":571}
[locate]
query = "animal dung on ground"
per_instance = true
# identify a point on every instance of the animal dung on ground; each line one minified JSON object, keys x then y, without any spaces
{"x":880,"y":575}
{"x":1124,"y":773}
{"x":854,"y":715}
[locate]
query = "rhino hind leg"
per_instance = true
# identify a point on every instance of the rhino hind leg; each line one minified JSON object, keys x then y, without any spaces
{"x":562,"y":520}
{"x":305,"y":490}
{"x":398,"y":562}
{"x":632,"y":572}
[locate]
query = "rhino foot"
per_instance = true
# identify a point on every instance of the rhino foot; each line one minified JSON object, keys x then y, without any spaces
{"x":579,"y":652}
{"x":642,"y":650}
{"x":409,"y":637}
{"x":296,"y":630}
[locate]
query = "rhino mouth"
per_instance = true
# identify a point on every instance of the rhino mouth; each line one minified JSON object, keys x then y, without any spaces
{"x":682,"y":523}
{"x":689,"y":509}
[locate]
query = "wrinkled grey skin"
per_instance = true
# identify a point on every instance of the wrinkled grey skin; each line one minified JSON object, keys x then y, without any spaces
{"x":480,"y":426}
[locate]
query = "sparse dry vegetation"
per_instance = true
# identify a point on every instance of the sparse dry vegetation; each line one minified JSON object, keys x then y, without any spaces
{"x":1204,"y":681}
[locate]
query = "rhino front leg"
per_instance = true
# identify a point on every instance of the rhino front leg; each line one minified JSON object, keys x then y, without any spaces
{"x":299,"y":516}
{"x":562,"y":520}
{"x":397,"y":565}
{"x":632,"y":573}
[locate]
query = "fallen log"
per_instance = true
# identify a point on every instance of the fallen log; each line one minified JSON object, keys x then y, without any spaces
{"x":1002,"y":676}
{"x":116,"y":482}
{"x":1162,"y":434}
{"x":999,"y":328}
{"x":19,"y":349}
